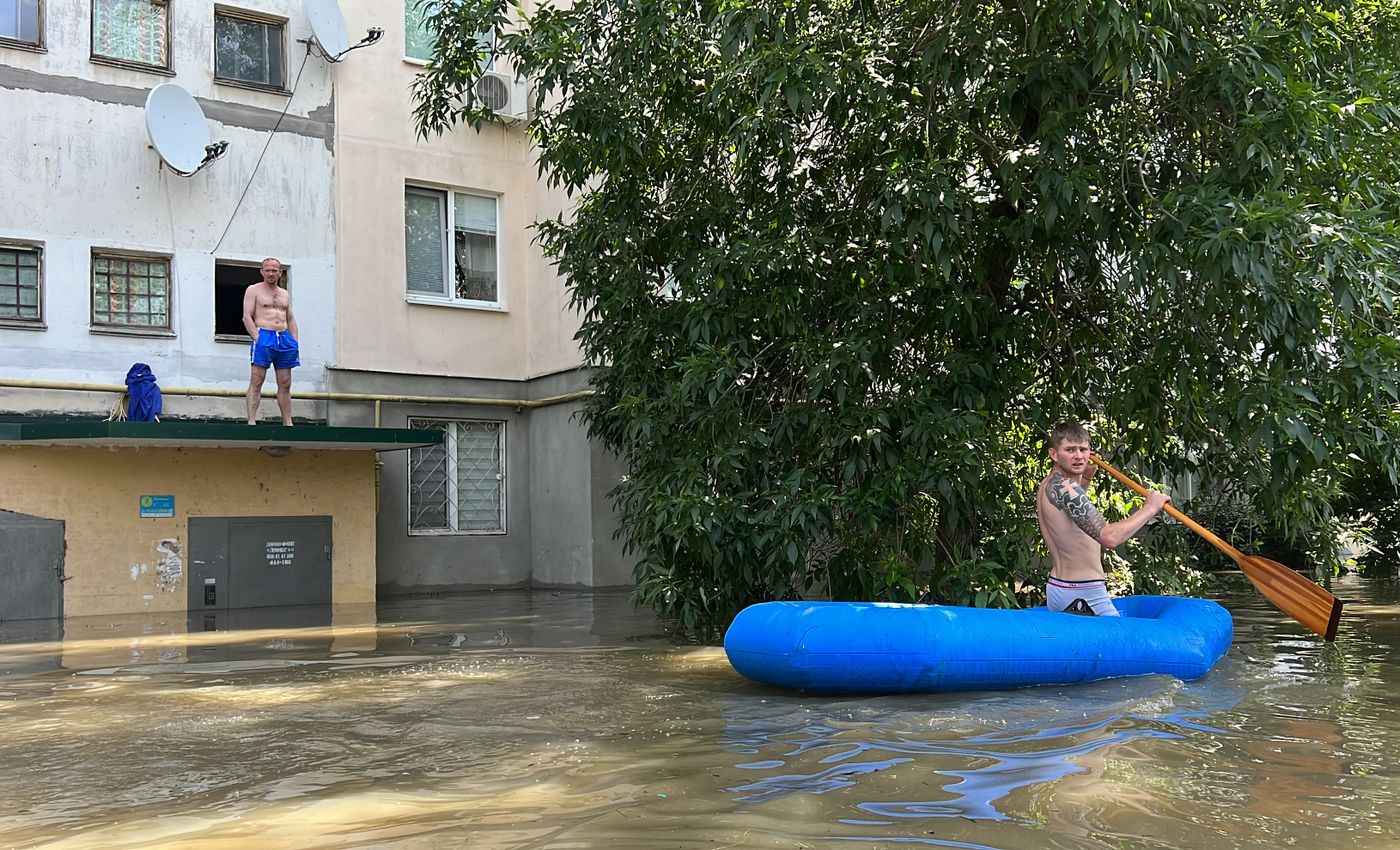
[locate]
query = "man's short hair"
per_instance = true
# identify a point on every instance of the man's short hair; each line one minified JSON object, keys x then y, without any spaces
{"x":1068,"y":430}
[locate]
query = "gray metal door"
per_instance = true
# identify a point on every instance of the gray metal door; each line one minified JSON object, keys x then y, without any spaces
{"x":31,"y":567}
{"x":255,"y":562}
{"x":208,"y":570}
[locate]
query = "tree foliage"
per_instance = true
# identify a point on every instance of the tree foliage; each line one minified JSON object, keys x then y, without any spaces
{"x":841,"y":264}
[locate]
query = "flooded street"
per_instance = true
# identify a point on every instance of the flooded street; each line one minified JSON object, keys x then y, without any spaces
{"x":559,"y":721}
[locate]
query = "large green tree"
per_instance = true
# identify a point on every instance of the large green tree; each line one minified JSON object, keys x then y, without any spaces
{"x":841,"y":264}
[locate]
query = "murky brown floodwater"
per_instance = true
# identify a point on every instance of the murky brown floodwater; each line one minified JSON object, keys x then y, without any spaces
{"x":550,"y":721}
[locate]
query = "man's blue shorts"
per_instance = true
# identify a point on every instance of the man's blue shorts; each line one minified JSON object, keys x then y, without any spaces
{"x":277,"y":349}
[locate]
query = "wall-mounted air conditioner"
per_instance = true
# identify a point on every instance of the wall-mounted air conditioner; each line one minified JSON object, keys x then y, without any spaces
{"x":503,"y":94}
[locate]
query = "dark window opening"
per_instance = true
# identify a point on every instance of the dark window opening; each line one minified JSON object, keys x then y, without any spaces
{"x":231,"y":281}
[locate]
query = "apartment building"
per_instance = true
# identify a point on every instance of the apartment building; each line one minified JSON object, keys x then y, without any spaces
{"x":435,"y":434}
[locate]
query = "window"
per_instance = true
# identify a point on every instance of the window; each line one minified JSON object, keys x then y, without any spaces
{"x":418,"y":38}
{"x":19,"y":21}
{"x":231,"y":280}
{"x":458,"y":487}
{"x":248,"y":49}
{"x":130,"y":292}
{"x":450,"y":239}
{"x":19,"y":284}
{"x":131,"y":31}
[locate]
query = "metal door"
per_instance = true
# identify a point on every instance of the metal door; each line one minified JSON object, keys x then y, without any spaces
{"x":31,"y":567}
{"x":255,"y":562}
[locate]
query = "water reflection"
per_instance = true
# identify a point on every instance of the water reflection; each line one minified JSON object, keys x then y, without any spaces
{"x":562,"y":721}
{"x":970,"y":772}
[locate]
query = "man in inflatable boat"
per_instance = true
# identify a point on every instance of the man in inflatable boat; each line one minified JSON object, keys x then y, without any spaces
{"x":1075,"y":531}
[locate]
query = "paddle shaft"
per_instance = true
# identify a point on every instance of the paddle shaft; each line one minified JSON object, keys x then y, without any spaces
{"x":1294,"y":595}
{"x":1185,"y":520}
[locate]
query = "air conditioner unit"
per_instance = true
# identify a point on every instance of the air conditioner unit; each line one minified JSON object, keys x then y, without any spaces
{"x":503,"y":94}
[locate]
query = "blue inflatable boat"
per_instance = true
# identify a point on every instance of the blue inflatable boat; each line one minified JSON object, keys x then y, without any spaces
{"x":884,"y":647}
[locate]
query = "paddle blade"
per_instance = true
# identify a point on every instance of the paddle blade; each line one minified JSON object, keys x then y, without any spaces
{"x":1294,"y":595}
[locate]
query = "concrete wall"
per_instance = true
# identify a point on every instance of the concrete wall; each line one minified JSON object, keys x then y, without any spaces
{"x":559,"y":521}
{"x":81,"y":174}
{"x":437,"y":562}
{"x":120,"y":563}
{"x":573,"y":544}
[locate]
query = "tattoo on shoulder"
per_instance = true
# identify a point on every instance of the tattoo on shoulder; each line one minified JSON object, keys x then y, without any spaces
{"x":1066,"y":494}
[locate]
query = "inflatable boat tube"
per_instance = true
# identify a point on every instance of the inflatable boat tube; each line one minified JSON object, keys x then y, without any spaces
{"x":883,"y":647}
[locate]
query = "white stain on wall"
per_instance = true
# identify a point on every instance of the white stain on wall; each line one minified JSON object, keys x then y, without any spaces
{"x":170,"y":569}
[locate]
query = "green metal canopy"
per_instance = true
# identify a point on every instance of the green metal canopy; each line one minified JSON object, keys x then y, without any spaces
{"x":227,"y":435}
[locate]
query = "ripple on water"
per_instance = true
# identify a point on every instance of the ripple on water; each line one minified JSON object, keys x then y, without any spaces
{"x":571,"y":740}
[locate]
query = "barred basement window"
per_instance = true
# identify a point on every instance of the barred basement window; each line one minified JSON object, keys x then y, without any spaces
{"x":130,"y":292}
{"x":19,"y":283}
{"x":458,"y":487}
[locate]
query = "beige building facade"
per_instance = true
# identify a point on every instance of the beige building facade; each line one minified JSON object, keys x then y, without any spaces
{"x":118,"y":561}
{"x":442,"y":296}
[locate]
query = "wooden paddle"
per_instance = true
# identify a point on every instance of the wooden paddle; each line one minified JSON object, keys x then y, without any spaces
{"x":1291,"y":593}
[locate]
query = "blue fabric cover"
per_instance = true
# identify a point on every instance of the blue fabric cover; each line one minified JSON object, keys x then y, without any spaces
{"x":883,"y":647}
{"x":144,"y":394}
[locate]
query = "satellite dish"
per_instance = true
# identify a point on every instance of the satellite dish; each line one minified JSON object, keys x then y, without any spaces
{"x":328,"y":25}
{"x":179,"y":131}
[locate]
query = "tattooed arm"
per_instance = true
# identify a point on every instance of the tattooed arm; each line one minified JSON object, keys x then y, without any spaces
{"x":1066,"y":494}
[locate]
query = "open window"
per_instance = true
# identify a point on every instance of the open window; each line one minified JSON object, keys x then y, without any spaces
{"x":451,"y":247}
{"x":231,"y":281}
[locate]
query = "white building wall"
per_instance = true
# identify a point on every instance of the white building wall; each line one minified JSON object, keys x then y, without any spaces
{"x":80,"y":174}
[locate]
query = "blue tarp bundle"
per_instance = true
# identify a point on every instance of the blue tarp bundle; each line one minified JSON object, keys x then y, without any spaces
{"x":144,"y":394}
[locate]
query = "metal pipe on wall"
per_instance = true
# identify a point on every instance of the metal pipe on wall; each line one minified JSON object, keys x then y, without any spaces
{"x":313,"y":395}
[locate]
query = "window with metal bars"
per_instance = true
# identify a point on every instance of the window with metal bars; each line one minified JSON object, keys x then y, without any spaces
{"x":130,"y":292}
{"x":458,"y":487}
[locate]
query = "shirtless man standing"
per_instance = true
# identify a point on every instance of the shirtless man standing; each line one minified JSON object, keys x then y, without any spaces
{"x":1075,"y":531}
{"x":267,"y":315}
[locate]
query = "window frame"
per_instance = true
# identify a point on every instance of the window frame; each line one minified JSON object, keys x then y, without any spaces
{"x":411,"y":6}
{"x":449,"y":297}
{"x":17,"y":323}
{"x":167,"y":69}
{"x":38,"y":44}
{"x":241,"y":338}
{"x":454,"y":515}
{"x":94,"y":326}
{"x":250,"y":16}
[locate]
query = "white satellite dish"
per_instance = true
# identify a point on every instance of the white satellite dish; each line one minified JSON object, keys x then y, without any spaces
{"x":328,"y":25}
{"x":179,"y":131}
{"x":328,"y":28}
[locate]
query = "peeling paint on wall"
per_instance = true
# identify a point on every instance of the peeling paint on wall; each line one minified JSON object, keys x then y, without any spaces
{"x":138,"y":570}
{"x":171,"y":568}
